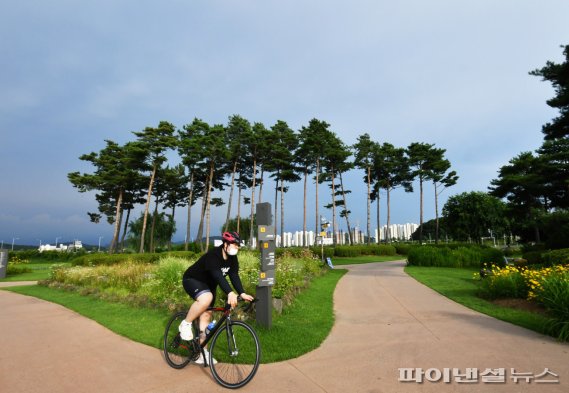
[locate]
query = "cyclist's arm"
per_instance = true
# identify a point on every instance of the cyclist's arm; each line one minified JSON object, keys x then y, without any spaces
{"x":221,"y":281}
{"x":236,"y":281}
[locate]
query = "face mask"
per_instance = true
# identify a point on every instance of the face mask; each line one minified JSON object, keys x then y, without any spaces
{"x":232,"y":251}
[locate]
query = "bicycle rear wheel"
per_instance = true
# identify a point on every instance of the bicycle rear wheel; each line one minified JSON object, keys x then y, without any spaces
{"x":177,"y":352}
{"x":237,"y":351}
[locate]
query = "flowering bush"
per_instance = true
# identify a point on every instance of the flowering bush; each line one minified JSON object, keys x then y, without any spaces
{"x":17,"y":260}
{"x":504,"y":282}
{"x":548,"y":286}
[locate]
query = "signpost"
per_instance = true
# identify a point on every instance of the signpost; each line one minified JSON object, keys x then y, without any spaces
{"x":3,"y":263}
{"x":266,"y":242}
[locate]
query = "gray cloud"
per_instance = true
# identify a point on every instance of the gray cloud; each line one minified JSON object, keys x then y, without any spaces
{"x":76,"y":73}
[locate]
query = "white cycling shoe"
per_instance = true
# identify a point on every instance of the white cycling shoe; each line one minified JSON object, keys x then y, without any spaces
{"x":185,"y":329}
{"x":200,"y":360}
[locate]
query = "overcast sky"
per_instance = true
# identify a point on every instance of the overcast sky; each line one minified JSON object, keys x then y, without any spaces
{"x":74,"y":73}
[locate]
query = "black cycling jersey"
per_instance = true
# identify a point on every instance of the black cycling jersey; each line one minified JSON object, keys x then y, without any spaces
{"x":211,"y":269}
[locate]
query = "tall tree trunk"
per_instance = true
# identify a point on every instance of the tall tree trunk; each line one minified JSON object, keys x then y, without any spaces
{"x":276,"y":206}
{"x":231,"y":198}
{"x":369,"y":206}
{"x":125,"y":228}
{"x":261,"y":182}
{"x":350,"y":237}
{"x":239,"y":204}
{"x":190,"y":198}
{"x":202,"y":219}
{"x":154,"y":216}
{"x":252,"y":219}
{"x":436,"y":214}
{"x":378,"y":221}
{"x":388,"y":235}
{"x":421,"y":210}
{"x":304,"y":240}
{"x":208,"y":205}
{"x":171,"y":227}
{"x":141,"y":250}
{"x":333,"y":209}
{"x":118,"y":218}
{"x":282,"y":212}
{"x":317,"y":175}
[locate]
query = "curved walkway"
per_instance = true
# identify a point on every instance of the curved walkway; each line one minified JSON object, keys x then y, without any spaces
{"x":385,"y":321}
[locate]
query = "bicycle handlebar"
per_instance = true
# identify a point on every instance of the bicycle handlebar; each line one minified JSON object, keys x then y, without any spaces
{"x":239,"y":299}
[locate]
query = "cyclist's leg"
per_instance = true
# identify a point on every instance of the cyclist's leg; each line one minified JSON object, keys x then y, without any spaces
{"x":205,"y":317}
{"x":201,"y":293}
{"x":202,"y":302}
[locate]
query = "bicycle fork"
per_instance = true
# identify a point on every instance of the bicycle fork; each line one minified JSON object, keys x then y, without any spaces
{"x":231,"y":344}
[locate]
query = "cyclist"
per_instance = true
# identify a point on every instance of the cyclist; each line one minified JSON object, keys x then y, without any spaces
{"x":201,"y":280}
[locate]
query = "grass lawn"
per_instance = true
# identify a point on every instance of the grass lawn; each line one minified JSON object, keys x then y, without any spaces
{"x":339,"y":261}
{"x":301,"y":328}
{"x":40,"y":271}
{"x":459,"y":285}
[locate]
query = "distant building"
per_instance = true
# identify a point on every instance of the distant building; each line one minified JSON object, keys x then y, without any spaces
{"x":401,"y":232}
{"x":75,"y":246}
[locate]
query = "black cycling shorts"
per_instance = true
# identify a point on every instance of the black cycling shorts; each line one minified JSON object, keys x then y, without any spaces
{"x":195,"y":288}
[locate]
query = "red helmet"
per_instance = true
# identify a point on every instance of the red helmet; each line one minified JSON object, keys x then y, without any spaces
{"x":231,"y":238}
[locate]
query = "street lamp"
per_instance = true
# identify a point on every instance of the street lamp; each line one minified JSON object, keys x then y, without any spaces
{"x":100,"y":237}
{"x":13,"y":239}
{"x":56,"y":239}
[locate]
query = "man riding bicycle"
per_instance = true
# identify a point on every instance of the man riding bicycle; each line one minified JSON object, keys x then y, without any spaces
{"x":201,"y":280}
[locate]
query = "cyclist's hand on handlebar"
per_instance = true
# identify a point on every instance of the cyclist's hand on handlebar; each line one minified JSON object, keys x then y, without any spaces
{"x":232,"y":299}
{"x":246,"y":297}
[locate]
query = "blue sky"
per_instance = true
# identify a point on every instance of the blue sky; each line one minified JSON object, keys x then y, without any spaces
{"x":74,"y":73}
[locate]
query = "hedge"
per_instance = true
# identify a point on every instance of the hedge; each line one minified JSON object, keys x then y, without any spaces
{"x":471,"y":256}
{"x":112,"y":259}
{"x":556,"y":257}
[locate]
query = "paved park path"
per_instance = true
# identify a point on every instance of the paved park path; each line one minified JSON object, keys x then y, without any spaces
{"x":385,"y":320}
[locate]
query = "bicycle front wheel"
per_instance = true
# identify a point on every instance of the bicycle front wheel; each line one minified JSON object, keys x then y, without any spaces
{"x":177,"y":352}
{"x":235,"y":347}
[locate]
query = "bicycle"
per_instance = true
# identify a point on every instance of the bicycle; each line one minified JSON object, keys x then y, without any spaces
{"x":234,"y":345}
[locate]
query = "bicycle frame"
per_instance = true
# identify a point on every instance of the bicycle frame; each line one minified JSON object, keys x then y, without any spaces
{"x":225,"y":317}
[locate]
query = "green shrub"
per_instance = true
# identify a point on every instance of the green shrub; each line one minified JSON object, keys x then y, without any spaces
{"x":556,"y":257}
{"x":469,"y":256}
{"x":554,"y":295}
{"x":429,"y":256}
{"x":533,"y":257}
{"x":382,"y":249}
{"x":534,"y":247}
{"x":347,"y":251}
{"x":14,"y":270}
{"x":159,"y":283}
{"x":510,"y":251}
{"x":492,"y":256}
{"x":164,"y":286}
{"x":328,"y":251}
{"x":402,"y":248}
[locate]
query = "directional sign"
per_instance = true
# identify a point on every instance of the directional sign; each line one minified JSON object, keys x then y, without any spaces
{"x":267,"y":278}
{"x":267,"y":260}
{"x":267,"y":254}
{"x":266,"y":232}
